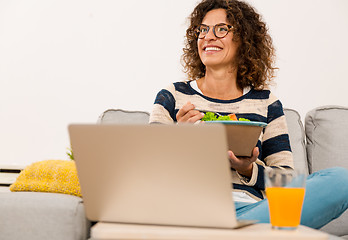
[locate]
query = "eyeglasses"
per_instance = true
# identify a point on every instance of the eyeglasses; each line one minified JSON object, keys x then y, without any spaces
{"x":220,"y":30}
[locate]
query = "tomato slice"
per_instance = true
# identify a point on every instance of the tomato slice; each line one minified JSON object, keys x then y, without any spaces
{"x":233,"y":117}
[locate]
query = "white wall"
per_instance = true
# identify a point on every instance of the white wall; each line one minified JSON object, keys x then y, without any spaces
{"x":69,"y":60}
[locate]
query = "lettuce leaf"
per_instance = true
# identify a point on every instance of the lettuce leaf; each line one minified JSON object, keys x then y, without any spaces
{"x":243,"y":119}
{"x":209,"y":116}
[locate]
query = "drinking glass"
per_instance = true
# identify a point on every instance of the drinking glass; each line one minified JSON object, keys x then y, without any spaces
{"x":285,"y":191}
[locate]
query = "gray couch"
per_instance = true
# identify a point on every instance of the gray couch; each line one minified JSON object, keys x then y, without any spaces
{"x":42,"y":216}
{"x":323,"y":144}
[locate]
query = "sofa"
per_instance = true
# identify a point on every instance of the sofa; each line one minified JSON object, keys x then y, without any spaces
{"x":321,"y":143}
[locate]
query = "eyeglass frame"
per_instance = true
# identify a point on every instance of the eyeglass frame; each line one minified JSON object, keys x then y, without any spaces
{"x":197,"y":32}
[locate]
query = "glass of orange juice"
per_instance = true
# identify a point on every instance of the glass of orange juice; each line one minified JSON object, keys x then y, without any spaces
{"x":285,"y":190}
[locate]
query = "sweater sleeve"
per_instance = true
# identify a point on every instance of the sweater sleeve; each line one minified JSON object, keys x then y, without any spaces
{"x":275,"y":147}
{"x":276,"y":150}
{"x":163,"y":110}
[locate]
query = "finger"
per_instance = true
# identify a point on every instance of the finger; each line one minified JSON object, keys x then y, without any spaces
{"x":187,"y":107}
{"x":255,"y":154}
{"x":198,"y":116}
{"x":184,"y":109}
{"x":185,"y":116}
{"x":231,"y":155}
{"x":191,"y":116}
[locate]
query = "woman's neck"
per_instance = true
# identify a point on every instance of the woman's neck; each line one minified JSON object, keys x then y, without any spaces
{"x":220,"y":84}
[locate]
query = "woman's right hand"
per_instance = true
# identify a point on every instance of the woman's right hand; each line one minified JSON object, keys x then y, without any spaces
{"x":187,"y":113}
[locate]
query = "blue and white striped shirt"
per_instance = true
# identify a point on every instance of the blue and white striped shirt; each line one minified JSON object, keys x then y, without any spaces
{"x":255,"y":105}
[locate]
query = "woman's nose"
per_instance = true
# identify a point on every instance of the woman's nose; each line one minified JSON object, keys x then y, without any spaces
{"x":210,"y":35}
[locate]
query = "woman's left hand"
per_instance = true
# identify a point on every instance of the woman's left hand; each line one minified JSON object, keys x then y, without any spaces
{"x":243,"y":165}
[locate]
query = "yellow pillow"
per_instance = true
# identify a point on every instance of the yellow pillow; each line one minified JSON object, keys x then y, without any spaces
{"x":55,"y":176}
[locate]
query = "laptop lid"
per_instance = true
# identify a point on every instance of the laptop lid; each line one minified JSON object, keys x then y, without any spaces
{"x":155,"y":174}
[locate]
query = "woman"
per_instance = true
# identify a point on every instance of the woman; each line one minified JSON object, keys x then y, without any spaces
{"x":229,"y":60}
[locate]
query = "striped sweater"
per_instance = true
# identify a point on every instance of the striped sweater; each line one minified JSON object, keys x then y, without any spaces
{"x":256,"y":105}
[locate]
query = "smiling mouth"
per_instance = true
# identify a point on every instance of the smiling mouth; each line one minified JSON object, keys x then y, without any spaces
{"x":206,"y":49}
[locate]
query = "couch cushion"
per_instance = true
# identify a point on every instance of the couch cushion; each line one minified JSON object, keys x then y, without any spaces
{"x":327,"y":137}
{"x":327,"y":146}
{"x":295,"y":126}
{"x":42,"y":216}
{"x":118,"y":116}
{"x":297,"y":138}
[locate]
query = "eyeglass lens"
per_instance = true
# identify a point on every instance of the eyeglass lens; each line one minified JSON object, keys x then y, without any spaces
{"x":220,"y":30}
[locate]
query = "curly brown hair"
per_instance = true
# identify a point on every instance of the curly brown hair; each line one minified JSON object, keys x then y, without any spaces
{"x":256,"y":54}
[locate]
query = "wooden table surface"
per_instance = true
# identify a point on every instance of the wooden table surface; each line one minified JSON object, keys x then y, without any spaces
{"x":257,"y":231}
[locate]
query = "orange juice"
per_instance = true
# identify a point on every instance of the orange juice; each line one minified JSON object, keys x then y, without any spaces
{"x":285,"y":205}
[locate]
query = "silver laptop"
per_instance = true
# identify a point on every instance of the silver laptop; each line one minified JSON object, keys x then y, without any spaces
{"x":176,"y":175}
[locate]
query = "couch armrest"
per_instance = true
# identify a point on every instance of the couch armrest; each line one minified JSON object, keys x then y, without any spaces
{"x":42,"y":216}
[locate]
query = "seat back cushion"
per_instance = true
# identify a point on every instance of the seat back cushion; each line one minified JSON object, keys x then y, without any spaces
{"x":119,"y":116}
{"x":327,"y":137}
{"x":297,"y":138}
{"x":295,"y":126}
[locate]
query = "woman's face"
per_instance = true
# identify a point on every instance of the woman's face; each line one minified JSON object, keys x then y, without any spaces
{"x":217,"y":52}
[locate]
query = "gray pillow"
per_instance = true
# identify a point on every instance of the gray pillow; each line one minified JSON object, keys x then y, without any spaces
{"x":297,"y":138}
{"x":119,"y":116}
{"x":327,"y":137}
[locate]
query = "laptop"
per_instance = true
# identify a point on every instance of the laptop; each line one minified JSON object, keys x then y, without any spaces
{"x":174,"y":175}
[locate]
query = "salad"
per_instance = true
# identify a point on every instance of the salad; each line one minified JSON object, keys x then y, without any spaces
{"x":210,"y":116}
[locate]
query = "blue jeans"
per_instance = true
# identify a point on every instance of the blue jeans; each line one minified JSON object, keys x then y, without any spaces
{"x":326,"y":198}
